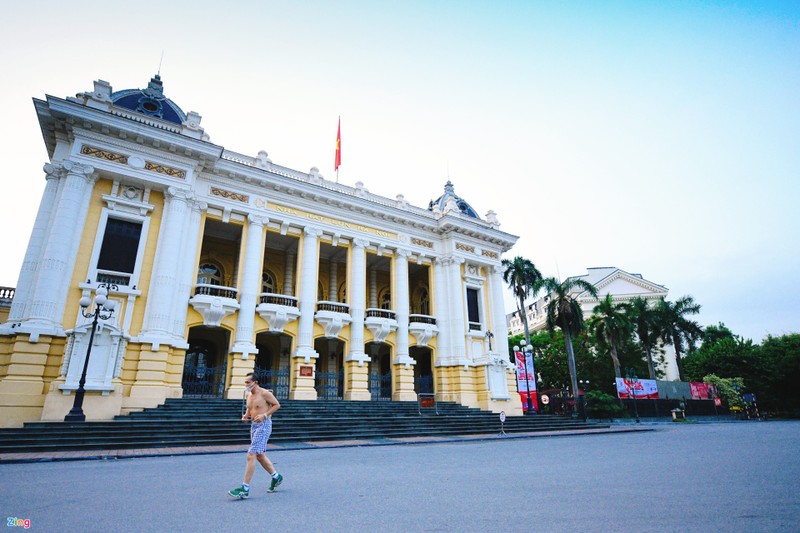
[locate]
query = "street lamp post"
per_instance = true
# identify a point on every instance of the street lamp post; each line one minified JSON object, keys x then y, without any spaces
{"x":103,"y":308}
{"x":633,"y":380}
{"x":489,"y":337}
{"x":584,"y":384}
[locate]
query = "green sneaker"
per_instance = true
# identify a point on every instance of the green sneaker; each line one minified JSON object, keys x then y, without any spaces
{"x":239,"y":492}
{"x":275,"y":482}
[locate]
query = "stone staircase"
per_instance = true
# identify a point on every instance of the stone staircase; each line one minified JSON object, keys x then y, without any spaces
{"x":211,"y":422}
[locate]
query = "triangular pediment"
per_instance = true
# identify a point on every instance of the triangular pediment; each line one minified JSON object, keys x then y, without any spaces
{"x":622,"y":285}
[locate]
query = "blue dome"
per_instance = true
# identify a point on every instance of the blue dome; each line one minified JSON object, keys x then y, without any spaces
{"x":449,"y":192}
{"x":150,"y":102}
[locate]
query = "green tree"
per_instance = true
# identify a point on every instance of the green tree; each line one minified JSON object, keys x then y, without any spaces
{"x":729,"y":389}
{"x":645,"y":322}
{"x":783,"y":354}
{"x":675,"y":326}
{"x":525,"y":280}
{"x":610,"y":324}
{"x":564,"y":311}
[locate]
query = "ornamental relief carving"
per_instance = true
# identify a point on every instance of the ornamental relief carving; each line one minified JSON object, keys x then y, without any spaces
{"x":122,"y":159}
{"x":465,"y":247}
{"x":420,"y":242}
{"x":230,"y":195}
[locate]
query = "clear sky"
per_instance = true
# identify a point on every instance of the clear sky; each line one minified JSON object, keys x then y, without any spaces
{"x":659,"y":137}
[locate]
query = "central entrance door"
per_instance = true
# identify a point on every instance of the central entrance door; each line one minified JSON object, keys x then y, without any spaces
{"x":329,"y":381}
{"x":206,"y":363}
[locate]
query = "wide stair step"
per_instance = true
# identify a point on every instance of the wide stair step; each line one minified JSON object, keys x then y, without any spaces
{"x":203,"y":422}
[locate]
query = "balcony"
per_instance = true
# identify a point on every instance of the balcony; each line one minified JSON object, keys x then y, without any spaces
{"x":6,"y":296}
{"x":380,"y":322}
{"x":214,"y":302}
{"x":423,"y":327}
{"x":332,"y":316}
{"x":111,"y":277}
{"x":278,"y":310}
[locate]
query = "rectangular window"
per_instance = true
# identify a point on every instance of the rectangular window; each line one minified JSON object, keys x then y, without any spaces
{"x":473,"y":311}
{"x":120,"y":246}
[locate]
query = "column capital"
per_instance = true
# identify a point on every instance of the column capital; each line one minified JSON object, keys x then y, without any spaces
{"x":311,"y":231}
{"x":52,"y":171}
{"x":401,"y":252}
{"x":77,"y":168}
{"x":174,"y":193}
{"x":360,"y":243}
{"x":257,"y":220}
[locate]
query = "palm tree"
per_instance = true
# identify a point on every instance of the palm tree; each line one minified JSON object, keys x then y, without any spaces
{"x":525,"y":280}
{"x":675,"y":328}
{"x":610,"y":323}
{"x":644,"y":321}
{"x":564,"y":311}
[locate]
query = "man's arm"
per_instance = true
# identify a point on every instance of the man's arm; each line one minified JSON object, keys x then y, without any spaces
{"x":272,"y":402}
{"x":246,"y":415}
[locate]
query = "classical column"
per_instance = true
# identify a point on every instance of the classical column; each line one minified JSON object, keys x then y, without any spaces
{"x":440,"y":308}
{"x":333,"y":294}
{"x":30,"y":264}
{"x":358,"y":284}
{"x":54,"y":269}
{"x":308,"y":294}
{"x":188,"y":266}
{"x":356,"y":376}
{"x":157,"y":326}
{"x":288,"y":277}
{"x":251,"y":277}
{"x":401,"y":302}
{"x":498,"y":312}
{"x":373,"y":288}
{"x":403,"y":373}
{"x":458,"y":329}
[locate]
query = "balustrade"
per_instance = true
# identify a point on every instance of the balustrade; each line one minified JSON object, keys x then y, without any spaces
{"x":278,"y":299}
{"x":215,"y":290}
{"x":422,"y":319}
{"x":334,"y":307}
{"x":381,"y":313}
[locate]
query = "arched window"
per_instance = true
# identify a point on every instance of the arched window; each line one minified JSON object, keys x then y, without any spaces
{"x":268,"y":282}
{"x":421,"y":302}
{"x":209,"y":273}
{"x":342,"y":293}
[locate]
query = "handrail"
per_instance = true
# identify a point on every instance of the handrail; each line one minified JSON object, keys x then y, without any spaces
{"x":278,"y":299}
{"x":215,"y":290}
{"x":380,"y":313}
{"x":336,"y":307}
{"x":422,"y":319}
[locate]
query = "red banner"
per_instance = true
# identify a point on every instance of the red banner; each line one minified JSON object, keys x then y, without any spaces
{"x":526,"y":378}
{"x":338,"y":160}
{"x":644,"y":389}
{"x":702,"y":391}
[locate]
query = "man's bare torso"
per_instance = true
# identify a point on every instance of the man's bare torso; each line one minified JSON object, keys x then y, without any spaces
{"x":261,"y":403}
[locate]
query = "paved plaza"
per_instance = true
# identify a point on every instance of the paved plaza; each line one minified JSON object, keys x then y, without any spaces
{"x":681,"y":477}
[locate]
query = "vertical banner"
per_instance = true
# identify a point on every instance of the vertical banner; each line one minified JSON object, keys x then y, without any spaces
{"x":526,"y":377}
{"x":338,"y":160}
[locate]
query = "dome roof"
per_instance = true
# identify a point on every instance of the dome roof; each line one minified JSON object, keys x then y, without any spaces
{"x":150,"y":101}
{"x":462,"y":204}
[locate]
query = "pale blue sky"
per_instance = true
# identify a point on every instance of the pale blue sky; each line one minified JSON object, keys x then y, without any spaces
{"x":659,"y":137}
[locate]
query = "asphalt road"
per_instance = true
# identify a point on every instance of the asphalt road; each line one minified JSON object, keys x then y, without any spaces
{"x":700,"y":477}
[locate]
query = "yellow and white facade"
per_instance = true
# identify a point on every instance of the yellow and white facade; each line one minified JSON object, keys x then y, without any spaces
{"x":221,"y":264}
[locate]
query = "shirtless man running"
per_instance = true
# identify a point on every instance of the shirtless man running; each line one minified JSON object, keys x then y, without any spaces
{"x":261,"y":403}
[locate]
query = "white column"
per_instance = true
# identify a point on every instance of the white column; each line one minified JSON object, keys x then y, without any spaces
{"x":358,"y":289}
{"x":308,"y":294}
{"x":188,"y":266}
{"x":498,"y":311}
{"x":401,"y":302}
{"x":440,"y":309}
{"x":157,"y":326}
{"x":288,"y":277}
{"x":30,"y":264}
{"x":333,"y":294}
{"x":458,"y":324}
{"x":373,"y":288}
{"x":251,"y":277}
{"x":55,"y":267}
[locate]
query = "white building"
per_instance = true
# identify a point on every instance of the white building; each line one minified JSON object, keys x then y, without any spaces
{"x":222,"y":263}
{"x":622,"y":286}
